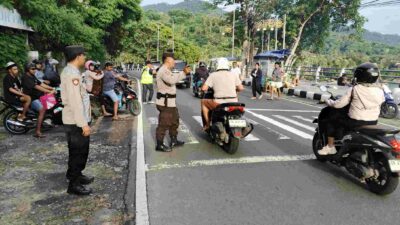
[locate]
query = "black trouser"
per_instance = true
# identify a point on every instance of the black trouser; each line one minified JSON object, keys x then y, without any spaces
{"x":256,"y":87}
{"x":78,"y":148}
{"x":167,"y":120}
{"x":340,"y":123}
{"x":147,"y":87}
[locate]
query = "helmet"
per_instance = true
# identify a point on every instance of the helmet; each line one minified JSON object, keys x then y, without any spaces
{"x":10,"y":64}
{"x":222,"y":64}
{"x":367,"y":73}
{"x":29,"y":65}
{"x":88,"y":63}
{"x":202,"y":64}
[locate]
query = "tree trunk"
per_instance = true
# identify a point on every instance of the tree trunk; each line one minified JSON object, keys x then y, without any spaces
{"x":245,"y":47}
{"x":289,"y":61}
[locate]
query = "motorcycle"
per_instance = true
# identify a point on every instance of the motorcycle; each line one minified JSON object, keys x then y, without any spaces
{"x":127,"y":99}
{"x":389,"y":108}
{"x":227,"y":127}
{"x":52,"y":117}
{"x":197,"y":92}
{"x":370,"y":153}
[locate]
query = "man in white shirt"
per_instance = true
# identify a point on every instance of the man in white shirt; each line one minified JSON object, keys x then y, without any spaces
{"x":236,"y":70}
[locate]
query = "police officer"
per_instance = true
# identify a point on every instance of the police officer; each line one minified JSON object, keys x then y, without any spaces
{"x":166,"y":103}
{"x":76,"y":119}
{"x":147,"y":83}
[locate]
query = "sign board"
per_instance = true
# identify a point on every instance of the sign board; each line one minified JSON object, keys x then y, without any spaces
{"x":12,"y":19}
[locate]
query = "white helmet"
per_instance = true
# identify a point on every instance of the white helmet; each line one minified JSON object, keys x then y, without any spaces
{"x":10,"y":64}
{"x":222,"y":64}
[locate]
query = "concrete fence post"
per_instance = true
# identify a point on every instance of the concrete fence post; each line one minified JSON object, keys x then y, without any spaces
{"x":317,"y":73}
{"x":343,"y":71}
{"x":298,"y":72}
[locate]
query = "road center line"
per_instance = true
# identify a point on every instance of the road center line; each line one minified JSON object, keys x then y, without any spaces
{"x":231,"y":161}
{"x":142,"y":213}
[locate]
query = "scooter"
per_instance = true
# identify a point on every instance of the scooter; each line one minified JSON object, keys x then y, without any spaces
{"x":227,"y":127}
{"x":370,"y":153}
{"x":197,"y":92}
{"x":52,"y":117}
{"x":127,"y":99}
{"x":389,"y":108}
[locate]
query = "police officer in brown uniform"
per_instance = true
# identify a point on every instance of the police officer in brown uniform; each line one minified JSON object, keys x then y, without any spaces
{"x":76,"y":119}
{"x":166,"y":103}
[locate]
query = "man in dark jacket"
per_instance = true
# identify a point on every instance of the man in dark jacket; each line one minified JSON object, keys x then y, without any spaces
{"x":256,"y":74}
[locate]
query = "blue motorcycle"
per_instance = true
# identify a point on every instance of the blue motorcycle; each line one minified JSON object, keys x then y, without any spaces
{"x":389,"y":108}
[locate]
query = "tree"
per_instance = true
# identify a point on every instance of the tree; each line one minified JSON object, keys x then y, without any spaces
{"x":311,"y":20}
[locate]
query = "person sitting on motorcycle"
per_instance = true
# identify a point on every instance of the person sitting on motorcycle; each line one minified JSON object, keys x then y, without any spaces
{"x":225,"y":86}
{"x":108,"y":86}
{"x":364,"y":98}
{"x":201,"y":74}
{"x":13,"y":90}
{"x":35,"y":89}
{"x":90,"y":75}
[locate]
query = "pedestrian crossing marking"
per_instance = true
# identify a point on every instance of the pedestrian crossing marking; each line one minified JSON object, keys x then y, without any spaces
{"x":295,"y":122}
{"x":282,"y":125}
{"x":249,"y":137}
{"x":303,"y":118}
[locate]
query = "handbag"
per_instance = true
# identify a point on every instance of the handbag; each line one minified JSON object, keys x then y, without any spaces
{"x":48,"y":101}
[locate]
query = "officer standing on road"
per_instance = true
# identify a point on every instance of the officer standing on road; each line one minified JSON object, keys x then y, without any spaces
{"x":166,"y":102}
{"x":76,"y":119}
{"x":147,"y":83}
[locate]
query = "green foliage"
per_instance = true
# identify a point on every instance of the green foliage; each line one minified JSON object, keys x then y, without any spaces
{"x":13,"y":47}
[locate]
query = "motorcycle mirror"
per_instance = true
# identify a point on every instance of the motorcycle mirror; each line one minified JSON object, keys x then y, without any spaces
{"x":323,"y":88}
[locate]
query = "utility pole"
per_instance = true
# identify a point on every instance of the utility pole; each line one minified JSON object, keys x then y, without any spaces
{"x":158,"y":42}
{"x":233,"y":31}
{"x":276,"y":38}
{"x":173,"y":36}
{"x":269,"y":40}
{"x":284,"y":32}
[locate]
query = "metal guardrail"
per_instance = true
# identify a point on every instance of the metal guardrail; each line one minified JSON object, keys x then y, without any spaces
{"x":324,"y":74}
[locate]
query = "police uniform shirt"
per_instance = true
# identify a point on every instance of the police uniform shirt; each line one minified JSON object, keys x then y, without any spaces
{"x":76,"y":100}
{"x":166,"y":81}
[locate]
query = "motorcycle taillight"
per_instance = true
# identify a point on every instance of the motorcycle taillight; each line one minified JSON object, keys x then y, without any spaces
{"x":233,"y":108}
{"x":396,"y":145}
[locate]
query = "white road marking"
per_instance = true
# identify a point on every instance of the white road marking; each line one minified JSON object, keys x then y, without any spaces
{"x":303,"y":118}
{"x":283,"y":126}
{"x":295,"y":122}
{"x":281,"y":136}
{"x":142,"y":213}
{"x":231,"y":161}
{"x":284,"y":110}
{"x":249,"y":137}
{"x":182,"y":129}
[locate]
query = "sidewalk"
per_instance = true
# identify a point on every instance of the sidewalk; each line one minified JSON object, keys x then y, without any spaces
{"x":33,"y":184}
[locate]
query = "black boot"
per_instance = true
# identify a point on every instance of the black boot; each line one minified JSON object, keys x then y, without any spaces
{"x":162,"y":147}
{"x":78,"y":189}
{"x":176,"y":143}
{"x":85,"y":180}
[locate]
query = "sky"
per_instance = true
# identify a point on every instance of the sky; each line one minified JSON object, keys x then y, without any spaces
{"x":384,"y":20}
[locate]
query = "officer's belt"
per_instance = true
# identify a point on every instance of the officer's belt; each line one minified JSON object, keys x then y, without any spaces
{"x":223,"y":98}
{"x":166,"y":97}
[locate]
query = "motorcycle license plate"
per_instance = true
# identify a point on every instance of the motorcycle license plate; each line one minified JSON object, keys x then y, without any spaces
{"x":237,"y":123}
{"x":394,"y":165}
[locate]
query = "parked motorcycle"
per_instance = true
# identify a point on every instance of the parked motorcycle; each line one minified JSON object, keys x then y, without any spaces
{"x":127,"y":99}
{"x":52,"y":117}
{"x":227,"y":127}
{"x":370,"y":153}
{"x":389,"y":108}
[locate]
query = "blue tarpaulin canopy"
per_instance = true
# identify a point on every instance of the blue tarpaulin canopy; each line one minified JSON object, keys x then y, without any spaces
{"x":278,"y":54}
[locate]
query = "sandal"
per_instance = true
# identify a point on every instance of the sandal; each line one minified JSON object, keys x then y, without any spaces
{"x":39,"y":136}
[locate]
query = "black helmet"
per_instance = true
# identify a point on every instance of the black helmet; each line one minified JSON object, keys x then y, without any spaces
{"x":367,"y":73}
{"x":202,"y":64}
{"x":30,"y":65}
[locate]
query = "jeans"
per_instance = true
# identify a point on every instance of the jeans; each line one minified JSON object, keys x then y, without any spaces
{"x":147,"y":87}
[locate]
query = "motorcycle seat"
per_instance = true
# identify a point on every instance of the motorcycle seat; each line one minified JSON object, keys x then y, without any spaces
{"x":375,"y":130}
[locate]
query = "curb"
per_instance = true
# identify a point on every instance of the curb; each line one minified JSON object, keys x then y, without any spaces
{"x":306,"y":94}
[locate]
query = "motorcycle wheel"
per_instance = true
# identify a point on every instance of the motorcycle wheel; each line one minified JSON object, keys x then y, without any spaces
{"x":389,"y":110}
{"x":13,"y":129}
{"x":232,"y":146}
{"x":134,"y":107}
{"x":195,"y":93}
{"x":317,"y":144}
{"x":387,"y":181}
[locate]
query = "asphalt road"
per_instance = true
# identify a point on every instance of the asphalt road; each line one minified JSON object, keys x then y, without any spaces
{"x":272,"y":179}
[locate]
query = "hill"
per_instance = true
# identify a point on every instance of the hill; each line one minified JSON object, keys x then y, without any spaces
{"x":194,"y":6}
{"x":388,"y":39}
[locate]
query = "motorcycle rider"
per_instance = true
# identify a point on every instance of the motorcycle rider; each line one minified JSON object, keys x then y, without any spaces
{"x":364,"y":101}
{"x":33,"y":87}
{"x":13,"y":90}
{"x":225,"y":86}
{"x":108,"y":86}
{"x":201,"y":74}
